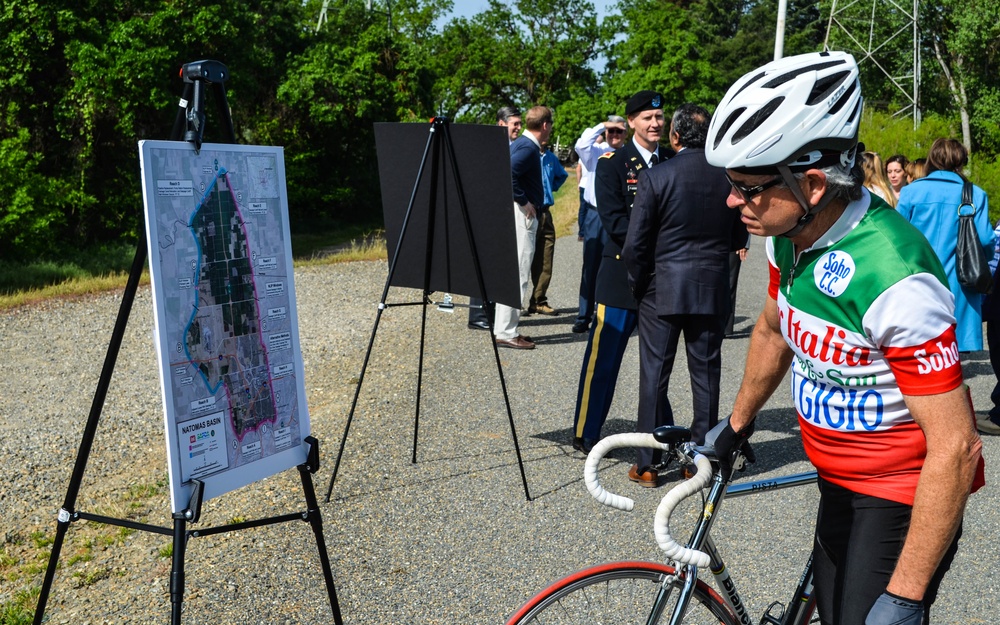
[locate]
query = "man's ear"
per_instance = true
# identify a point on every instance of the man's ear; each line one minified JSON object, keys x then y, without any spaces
{"x":675,"y":139}
{"x":815,"y":186}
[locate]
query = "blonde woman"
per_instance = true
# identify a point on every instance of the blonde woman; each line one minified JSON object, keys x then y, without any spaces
{"x":875,"y":180}
{"x":916,"y":169}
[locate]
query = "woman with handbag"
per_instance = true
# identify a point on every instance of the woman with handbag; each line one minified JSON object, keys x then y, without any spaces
{"x":990,"y":424}
{"x":933,"y":204}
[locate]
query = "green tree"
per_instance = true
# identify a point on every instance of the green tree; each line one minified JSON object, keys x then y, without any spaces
{"x":659,"y":51}
{"x":958,"y":44}
{"x":965,"y":42}
{"x":362,"y":67}
{"x":521,"y":54}
{"x":90,"y":80}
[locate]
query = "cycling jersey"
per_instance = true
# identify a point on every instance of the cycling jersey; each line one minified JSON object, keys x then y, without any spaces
{"x":869,"y":317}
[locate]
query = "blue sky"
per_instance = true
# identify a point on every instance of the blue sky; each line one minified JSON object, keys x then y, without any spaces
{"x":468,"y":8}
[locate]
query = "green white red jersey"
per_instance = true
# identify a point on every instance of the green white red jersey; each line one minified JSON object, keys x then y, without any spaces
{"x":869,"y":317}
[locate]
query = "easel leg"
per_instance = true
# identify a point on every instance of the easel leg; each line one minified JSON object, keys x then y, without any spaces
{"x":177,"y":568}
{"x":316,"y":521}
{"x":50,"y":571}
{"x":90,"y":429}
{"x":420,"y":376}
{"x":378,"y":315}
{"x":482,"y":289}
{"x":357,"y":393}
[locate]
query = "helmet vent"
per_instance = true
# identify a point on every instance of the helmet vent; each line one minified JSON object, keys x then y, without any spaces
{"x":825,"y":87}
{"x":750,"y":83}
{"x":757,"y":119}
{"x":854,"y":114}
{"x":780,"y":80}
{"x":726,"y":125}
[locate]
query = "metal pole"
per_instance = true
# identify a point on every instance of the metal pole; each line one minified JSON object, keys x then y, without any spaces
{"x":916,"y":64}
{"x":779,"y":34}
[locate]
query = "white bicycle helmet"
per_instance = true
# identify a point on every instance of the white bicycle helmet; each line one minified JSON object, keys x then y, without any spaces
{"x":793,"y":114}
{"x":798,"y":111}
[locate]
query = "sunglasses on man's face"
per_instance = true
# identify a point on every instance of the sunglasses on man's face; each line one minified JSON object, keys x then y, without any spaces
{"x":748,"y":193}
{"x":615,"y":131}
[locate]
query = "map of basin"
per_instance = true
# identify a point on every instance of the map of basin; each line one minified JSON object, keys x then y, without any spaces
{"x":220,"y":258}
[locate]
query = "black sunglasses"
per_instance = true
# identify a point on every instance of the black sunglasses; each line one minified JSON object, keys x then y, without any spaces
{"x":748,"y":193}
{"x":615,"y":131}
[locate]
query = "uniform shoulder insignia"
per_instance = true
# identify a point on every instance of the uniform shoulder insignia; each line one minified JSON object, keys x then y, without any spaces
{"x":608,"y":154}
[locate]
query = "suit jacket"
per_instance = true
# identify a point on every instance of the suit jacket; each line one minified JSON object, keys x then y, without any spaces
{"x":526,"y":172}
{"x":615,"y":181}
{"x":680,"y":236}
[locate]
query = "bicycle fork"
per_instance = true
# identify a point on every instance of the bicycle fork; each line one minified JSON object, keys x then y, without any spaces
{"x":703,"y":541}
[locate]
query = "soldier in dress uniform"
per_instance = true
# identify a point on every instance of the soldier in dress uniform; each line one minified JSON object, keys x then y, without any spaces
{"x":615,"y":182}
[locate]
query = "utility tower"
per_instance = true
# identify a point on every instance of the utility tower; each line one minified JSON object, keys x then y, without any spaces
{"x":322,"y":15}
{"x":869,"y":27}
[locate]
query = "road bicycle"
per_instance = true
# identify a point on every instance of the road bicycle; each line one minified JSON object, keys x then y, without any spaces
{"x":633,"y":593}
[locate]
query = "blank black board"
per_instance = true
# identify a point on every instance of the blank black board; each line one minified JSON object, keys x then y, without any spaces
{"x":436,"y":245}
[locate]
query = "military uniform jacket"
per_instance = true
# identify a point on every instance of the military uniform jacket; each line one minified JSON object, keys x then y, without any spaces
{"x":615,"y":183}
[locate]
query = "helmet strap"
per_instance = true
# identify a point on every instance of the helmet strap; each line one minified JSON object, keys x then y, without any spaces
{"x":810,"y":212}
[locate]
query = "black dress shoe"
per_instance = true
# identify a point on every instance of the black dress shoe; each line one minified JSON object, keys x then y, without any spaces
{"x":580,"y":327}
{"x":479,"y":325}
{"x":583,"y":444}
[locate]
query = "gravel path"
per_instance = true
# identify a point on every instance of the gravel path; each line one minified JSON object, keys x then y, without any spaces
{"x":448,"y":540}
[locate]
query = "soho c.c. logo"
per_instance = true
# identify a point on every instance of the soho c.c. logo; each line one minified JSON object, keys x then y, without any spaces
{"x":833,"y":272}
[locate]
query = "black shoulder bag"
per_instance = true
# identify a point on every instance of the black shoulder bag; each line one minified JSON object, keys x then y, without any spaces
{"x":970,"y":259}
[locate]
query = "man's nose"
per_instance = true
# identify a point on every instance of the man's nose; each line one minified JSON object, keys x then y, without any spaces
{"x":735,"y":200}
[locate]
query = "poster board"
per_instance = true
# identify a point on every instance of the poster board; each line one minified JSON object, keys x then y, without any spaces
{"x":437,"y":245}
{"x":225,"y":320}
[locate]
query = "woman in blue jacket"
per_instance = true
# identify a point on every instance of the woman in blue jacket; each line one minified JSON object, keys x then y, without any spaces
{"x":931,"y":204}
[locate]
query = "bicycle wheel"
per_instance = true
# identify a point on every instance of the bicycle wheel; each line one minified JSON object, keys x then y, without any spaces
{"x":620,"y":593}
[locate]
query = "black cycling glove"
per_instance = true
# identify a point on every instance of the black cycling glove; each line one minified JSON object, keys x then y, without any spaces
{"x":728,"y":442}
{"x":892,"y":610}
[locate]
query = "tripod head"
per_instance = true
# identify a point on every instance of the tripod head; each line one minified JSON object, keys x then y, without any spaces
{"x":190,"y":121}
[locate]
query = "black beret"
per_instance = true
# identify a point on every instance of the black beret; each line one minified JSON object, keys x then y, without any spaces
{"x":643,"y":101}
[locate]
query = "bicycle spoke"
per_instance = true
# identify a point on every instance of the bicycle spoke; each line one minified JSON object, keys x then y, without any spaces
{"x":624,"y":596}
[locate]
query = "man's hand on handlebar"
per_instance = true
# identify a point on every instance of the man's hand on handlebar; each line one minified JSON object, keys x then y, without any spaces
{"x":727,"y":443}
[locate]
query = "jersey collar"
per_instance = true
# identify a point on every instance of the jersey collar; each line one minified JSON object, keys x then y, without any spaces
{"x":847,"y":221}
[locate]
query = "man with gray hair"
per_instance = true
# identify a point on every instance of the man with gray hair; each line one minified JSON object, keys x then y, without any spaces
{"x":589,"y":147}
{"x":510,"y":117}
{"x":857,"y":305}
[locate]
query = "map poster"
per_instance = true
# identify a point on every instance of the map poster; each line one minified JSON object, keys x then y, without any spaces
{"x":225,"y":322}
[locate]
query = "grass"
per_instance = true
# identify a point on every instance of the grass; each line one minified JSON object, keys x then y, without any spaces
{"x":106,"y":269}
{"x":32,"y":283}
{"x":20,"y":610}
{"x":25,"y":557}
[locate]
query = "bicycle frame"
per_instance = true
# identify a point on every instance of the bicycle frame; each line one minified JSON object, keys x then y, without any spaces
{"x":802,"y":604}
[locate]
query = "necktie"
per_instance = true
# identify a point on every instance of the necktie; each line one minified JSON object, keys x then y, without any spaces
{"x":653,"y":159}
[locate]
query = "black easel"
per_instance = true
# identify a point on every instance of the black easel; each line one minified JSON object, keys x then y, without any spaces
{"x":438,"y":142}
{"x":189,"y":126}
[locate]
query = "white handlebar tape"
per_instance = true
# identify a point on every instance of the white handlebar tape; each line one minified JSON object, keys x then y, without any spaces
{"x":661,"y":525}
{"x":599,"y":451}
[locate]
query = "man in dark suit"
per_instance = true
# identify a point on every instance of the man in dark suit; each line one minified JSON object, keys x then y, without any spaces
{"x":615,"y":180}
{"x":677,"y":255}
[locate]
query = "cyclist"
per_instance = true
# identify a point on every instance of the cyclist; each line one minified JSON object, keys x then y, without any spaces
{"x":859,"y":307}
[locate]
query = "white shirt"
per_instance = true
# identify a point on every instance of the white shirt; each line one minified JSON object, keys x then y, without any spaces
{"x":589,"y":151}
{"x":645,"y":153}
